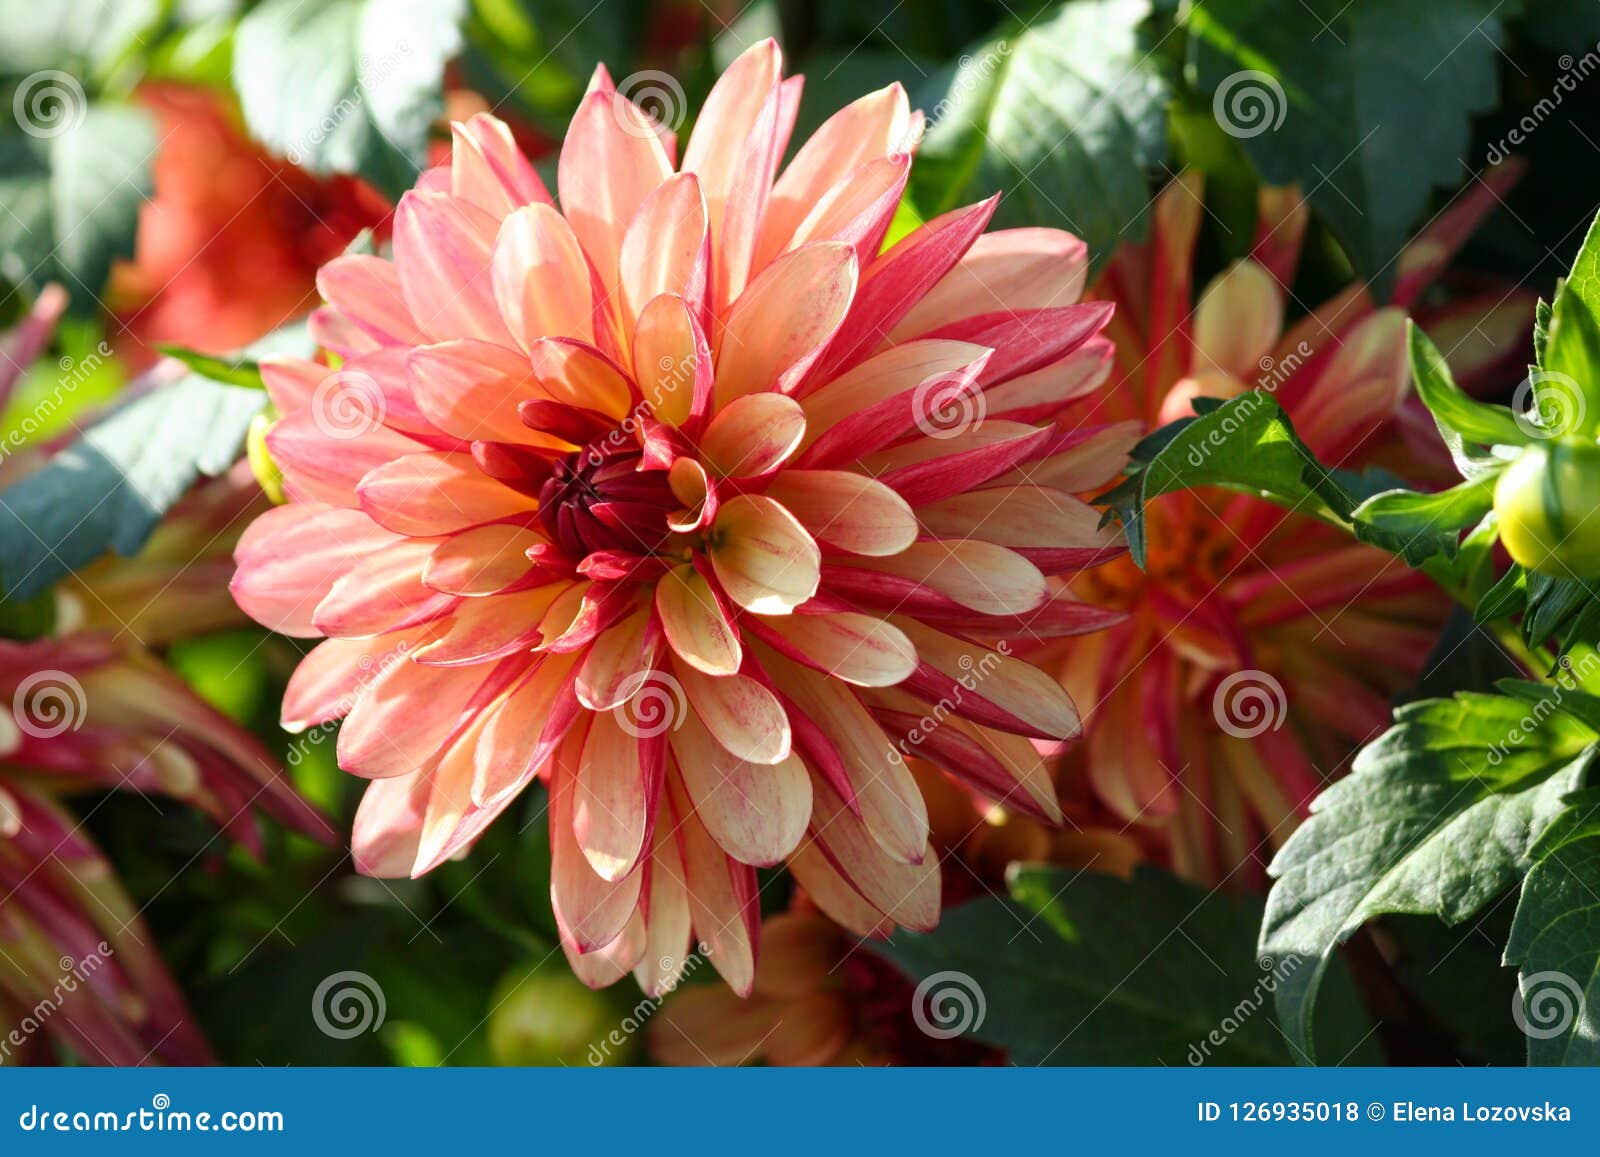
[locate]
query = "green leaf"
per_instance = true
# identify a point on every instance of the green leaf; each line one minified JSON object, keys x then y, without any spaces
{"x":1064,"y":116}
{"x":1563,"y":696}
{"x":1246,"y":443}
{"x":232,"y":371}
{"x":72,"y":201}
{"x":1555,"y":939}
{"x":348,"y":86}
{"x":1568,"y":608}
{"x":1464,"y":422}
{"x":1084,"y":968}
{"x":1341,"y":89}
{"x":1417,"y":526}
{"x":1436,"y":818}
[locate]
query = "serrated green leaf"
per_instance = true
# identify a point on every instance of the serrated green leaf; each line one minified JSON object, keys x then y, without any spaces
{"x":349,"y":86}
{"x":1083,"y":968}
{"x":1555,"y":939}
{"x":1246,"y":443}
{"x":1350,"y":82}
{"x":1436,"y":818}
{"x":1416,"y":525}
{"x":1064,"y":116}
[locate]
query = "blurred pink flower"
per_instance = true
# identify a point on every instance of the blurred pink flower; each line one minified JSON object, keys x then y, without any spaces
{"x":1261,"y":646}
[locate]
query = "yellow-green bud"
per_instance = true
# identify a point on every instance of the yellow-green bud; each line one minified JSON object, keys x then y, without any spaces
{"x":1548,"y":504}
{"x":544,"y":1015}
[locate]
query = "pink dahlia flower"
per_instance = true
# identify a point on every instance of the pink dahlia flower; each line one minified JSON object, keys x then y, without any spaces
{"x":1261,"y":646}
{"x":692,"y":500}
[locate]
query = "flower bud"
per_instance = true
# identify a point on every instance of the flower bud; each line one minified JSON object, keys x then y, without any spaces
{"x":547,"y":1016}
{"x":1548,"y":503}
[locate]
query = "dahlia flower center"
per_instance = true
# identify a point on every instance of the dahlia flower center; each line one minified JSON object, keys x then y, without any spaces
{"x":598,"y":499}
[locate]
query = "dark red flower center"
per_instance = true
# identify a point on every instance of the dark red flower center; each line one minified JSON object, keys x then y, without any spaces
{"x":600,"y":499}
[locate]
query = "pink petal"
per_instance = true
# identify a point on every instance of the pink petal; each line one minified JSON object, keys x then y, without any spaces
{"x":442,"y":249}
